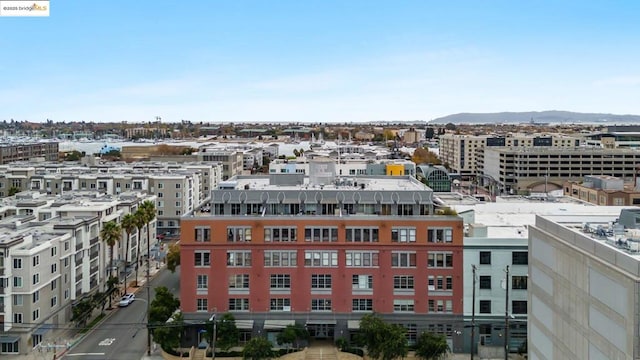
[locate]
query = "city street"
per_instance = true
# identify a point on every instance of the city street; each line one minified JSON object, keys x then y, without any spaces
{"x":123,"y":335}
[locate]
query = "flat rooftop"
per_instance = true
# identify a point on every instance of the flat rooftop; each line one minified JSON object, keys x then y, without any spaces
{"x":370,"y":183}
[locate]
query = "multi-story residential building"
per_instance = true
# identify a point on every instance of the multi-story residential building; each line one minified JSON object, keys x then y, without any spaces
{"x":253,"y":159}
{"x":232,"y":160}
{"x":615,"y":136}
{"x":604,"y":190}
{"x":538,"y":169}
{"x":460,"y":152}
{"x":321,"y":252}
{"x":26,"y":151}
{"x":583,"y":298}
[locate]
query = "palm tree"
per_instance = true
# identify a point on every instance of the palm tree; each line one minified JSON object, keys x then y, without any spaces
{"x":111,"y":233}
{"x":149,"y":210}
{"x":128,"y":224}
{"x":139,"y":222}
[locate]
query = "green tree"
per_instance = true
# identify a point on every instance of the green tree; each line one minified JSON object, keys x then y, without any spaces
{"x":382,"y":340}
{"x":258,"y":348}
{"x":291,"y":335}
{"x":173,"y":257}
{"x":81,"y":311}
{"x":14,"y":190}
{"x":149,"y":214}
{"x":74,"y":155}
{"x":139,"y":221}
{"x":168,"y":334}
{"x":128,"y":224}
{"x":111,"y":234}
{"x":227,"y":332}
{"x":162,"y":306}
{"x":431,"y":346}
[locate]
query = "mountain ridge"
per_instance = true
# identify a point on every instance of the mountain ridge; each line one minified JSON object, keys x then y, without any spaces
{"x":536,"y":117}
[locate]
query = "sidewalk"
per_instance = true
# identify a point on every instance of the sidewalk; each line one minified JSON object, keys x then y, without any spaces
{"x":64,"y":338}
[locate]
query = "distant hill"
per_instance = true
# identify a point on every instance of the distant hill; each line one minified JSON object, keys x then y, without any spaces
{"x":552,"y":117}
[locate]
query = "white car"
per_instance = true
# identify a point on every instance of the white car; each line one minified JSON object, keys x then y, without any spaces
{"x":126,"y":300}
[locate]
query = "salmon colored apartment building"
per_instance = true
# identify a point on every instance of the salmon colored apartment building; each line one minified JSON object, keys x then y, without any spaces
{"x":321,"y":251}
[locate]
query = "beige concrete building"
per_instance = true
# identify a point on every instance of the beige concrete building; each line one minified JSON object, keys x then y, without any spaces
{"x":584,"y":301}
{"x":538,"y":169}
{"x":461,"y":152}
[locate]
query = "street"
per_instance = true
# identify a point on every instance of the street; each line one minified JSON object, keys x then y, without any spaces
{"x":123,"y":335}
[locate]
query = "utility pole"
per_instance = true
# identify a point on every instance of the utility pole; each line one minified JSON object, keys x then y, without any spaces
{"x":473,"y":313}
{"x":506,"y":316}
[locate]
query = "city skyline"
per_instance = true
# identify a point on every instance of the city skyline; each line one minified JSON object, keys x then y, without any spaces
{"x":318,"y":61}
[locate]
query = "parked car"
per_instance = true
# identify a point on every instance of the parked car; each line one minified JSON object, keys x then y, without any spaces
{"x":126,"y":300}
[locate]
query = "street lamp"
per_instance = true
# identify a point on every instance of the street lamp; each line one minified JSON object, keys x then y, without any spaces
{"x":213,"y":336}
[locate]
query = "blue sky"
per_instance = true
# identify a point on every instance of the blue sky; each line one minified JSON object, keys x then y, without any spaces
{"x":318,"y":60}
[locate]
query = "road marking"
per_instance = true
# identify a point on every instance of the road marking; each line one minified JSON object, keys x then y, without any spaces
{"x":106,"y":342}
{"x":85,"y":354}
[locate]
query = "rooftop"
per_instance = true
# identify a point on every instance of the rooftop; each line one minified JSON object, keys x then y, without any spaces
{"x":344,"y":183}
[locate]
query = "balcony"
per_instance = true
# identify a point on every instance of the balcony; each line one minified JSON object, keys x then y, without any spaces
{"x":93,"y":269}
{"x":79,"y":246}
{"x":94,"y":241}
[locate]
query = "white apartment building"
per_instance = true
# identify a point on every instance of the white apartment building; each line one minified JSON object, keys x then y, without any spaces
{"x":460,"y":152}
{"x":584,"y":298}
{"x":346,"y":167}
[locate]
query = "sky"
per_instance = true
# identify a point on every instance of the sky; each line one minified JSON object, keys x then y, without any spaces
{"x":317,"y":60}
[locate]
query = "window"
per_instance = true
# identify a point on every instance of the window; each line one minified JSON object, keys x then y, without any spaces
{"x":361,"y":258}
{"x":275,"y":258}
{"x":280,"y":234}
{"x":203,"y":234}
{"x":280,"y":281}
{"x":403,"y":282}
{"x":403,"y":235}
{"x":317,"y":258}
{"x":485,"y":282}
{"x":54,"y":268}
{"x":362,"y":305}
{"x":320,"y":281}
{"x":54,"y":251}
{"x":236,"y":304}
{"x":202,"y":282}
{"x":17,"y":263}
{"x":66,"y":245}
{"x":178,"y":186}
{"x":202,"y":258}
{"x":485,"y":257}
{"x":35,"y":297}
{"x":403,"y":259}
{"x":440,"y":283}
{"x":36,"y":260}
{"x":366,"y":234}
{"x":160,"y":203}
{"x":403,"y":305}
{"x":17,"y":300}
{"x":519,"y":258}
{"x":440,"y":306}
{"x":160,"y":186}
{"x":519,"y":282}
{"x":238,"y":234}
{"x":440,"y":235}
{"x":54,"y":301}
{"x":280,"y":305}
{"x":239,"y":258}
{"x":54,"y":284}
{"x":160,"y":195}
{"x":519,"y":307}
{"x":178,"y":203}
{"x":320,"y":304}
{"x":35,"y":279}
{"x":239,"y":281}
{"x":17,"y":281}
{"x":202,"y":305}
{"x":485,"y":306}
{"x":321,"y":234}
{"x":66,"y":262}
{"x":440,"y":260}
{"x":160,"y":212}
{"x":17,"y":318}
{"x":178,"y":196}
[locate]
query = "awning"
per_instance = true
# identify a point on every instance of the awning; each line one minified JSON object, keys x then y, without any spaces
{"x":8,"y":339}
{"x":43,"y":329}
{"x":277,"y":324}
{"x":244,"y":324}
{"x":353,"y":324}
{"x":321,"y":322}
